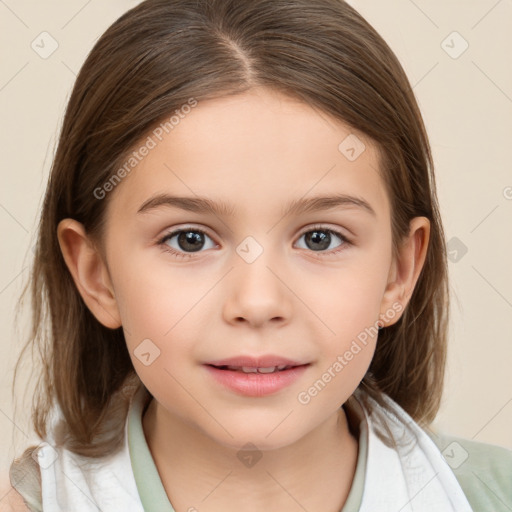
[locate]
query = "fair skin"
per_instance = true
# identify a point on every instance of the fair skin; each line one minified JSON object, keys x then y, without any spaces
{"x":257,"y":151}
{"x":10,"y":499}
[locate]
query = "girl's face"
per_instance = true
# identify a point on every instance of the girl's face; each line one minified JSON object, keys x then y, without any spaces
{"x":250,"y":262}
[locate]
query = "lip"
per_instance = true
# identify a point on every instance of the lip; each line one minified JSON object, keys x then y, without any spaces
{"x":256,"y":384}
{"x":262,"y":361}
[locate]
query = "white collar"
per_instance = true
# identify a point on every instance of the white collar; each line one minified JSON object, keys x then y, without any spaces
{"x":414,"y":476}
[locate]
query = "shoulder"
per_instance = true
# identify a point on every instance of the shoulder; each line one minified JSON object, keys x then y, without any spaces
{"x":23,"y":485}
{"x":10,"y":499}
{"x":484,"y":471}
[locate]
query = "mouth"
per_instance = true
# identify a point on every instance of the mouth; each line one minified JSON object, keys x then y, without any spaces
{"x":256,"y":381}
{"x":251,"y":369}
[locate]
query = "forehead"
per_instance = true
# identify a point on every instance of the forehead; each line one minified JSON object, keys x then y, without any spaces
{"x":255,"y":151}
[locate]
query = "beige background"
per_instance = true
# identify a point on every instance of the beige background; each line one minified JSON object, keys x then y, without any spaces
{"x":466,"y":100}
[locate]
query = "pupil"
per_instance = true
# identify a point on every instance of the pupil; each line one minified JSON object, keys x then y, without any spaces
{"x":319,"y":237}
{"x":189,"y":240}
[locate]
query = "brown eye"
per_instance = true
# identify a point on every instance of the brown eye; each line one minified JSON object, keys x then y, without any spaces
{"x":183,"y":242}
{"x":320,"y":239}
{"x":190,"y":240}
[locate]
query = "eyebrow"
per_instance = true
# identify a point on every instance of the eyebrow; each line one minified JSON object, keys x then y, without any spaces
{"x":204,"y":205}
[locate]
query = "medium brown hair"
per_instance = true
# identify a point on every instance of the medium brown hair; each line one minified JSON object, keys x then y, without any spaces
{"x":148,"y":64}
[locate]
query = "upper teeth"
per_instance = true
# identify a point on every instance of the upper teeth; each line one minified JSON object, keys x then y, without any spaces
{"x":248,"y":369}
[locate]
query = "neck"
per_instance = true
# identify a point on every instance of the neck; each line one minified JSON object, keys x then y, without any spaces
{"x":314,"y":473}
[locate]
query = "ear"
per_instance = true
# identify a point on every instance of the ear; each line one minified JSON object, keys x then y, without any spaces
{"x":89,"y":272}
{"x":405,"y":270}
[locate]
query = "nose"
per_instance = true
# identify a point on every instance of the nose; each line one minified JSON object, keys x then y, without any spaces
{"x":257,"y":294}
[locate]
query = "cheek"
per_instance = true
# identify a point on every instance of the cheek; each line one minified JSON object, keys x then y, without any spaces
{"x":349,"y":299}
{"x":349,"y":305}
{"x":163,"y":311}
{"x":153,"y":296}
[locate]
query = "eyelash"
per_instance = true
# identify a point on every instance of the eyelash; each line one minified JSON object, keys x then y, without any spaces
{"x":179,"y":254}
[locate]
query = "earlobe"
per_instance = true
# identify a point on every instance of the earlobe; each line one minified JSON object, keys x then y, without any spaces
{"x":406,"y":268}
{"x":89,"y":272}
